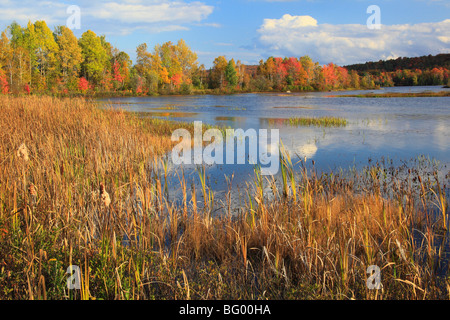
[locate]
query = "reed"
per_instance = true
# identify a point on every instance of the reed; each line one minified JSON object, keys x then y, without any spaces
{"x":319,"y":122}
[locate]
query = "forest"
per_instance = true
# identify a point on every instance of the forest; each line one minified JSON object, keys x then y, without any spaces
{"x":424,"y":71}
{"x":34,"y":59}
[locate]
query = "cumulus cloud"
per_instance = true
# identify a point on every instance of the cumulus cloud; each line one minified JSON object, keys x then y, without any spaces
{"x":351,"y":43}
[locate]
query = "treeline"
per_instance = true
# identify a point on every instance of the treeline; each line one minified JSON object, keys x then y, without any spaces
{"x":306,"y":75}
{"x":425,"y":70}
{"x":423,"y":63}
{"x":34,"y":59}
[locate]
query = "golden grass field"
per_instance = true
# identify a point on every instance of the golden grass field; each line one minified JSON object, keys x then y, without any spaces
{"x":76,"y":179}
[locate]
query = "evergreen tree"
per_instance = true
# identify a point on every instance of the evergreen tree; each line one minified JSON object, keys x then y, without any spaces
{"x":231,"y":74}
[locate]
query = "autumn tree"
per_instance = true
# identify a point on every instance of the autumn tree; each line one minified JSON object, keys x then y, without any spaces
{"x":43,"y":52}
{"x":149,"y":71}
{"x":295,"y":74}
{"x":70,"y":56}
{"x":309,"y":66}
{"x":279,"y":73}
{"x":177,"y":61}
{"x":187,"y":60}
{"x":18,"y":65}
{"x":6,"y":58}
{"x":240,"y":73}
{"x":355,"y":79}
{"x":170,"y":65}
{"x":217,"y":74}
{"x":198,"y":76}
{"x":121,"y":68}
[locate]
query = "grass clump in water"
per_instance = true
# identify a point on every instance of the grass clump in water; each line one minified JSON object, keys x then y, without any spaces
{"x":319,"y":122}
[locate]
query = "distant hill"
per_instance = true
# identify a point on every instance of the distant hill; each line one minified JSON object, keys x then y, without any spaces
{"x":422,"y":63}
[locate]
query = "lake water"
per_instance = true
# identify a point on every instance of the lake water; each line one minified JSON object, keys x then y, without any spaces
{"x":395,"y":129}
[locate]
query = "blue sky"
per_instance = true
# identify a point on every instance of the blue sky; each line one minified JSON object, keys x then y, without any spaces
{"x":250,"y":30}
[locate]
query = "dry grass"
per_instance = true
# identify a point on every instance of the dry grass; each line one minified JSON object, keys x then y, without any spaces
{"x":78,"y":186}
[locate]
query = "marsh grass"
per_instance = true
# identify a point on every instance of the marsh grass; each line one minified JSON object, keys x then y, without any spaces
{"x":308,"y":121}
{"x":89,"y":195}
{"x":319,"y":122}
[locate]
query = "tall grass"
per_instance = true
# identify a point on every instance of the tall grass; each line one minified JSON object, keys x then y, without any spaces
{"x":321,"y":122}
{"x":310,"y":121}
{"x":79,"y":186}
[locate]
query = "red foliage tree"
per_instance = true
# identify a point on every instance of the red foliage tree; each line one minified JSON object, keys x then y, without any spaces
{"x":177,"y":79}
{"x":295,"y":72}
{"x":330,"y":76}
{"x":280,"y":73}
{"x":117,"y":76}
{"x":83,"y":84}
{"x":4,"y":86}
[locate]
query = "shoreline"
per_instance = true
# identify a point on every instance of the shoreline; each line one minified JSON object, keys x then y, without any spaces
{"x":194,"y":93}
{"x":211,"y":92}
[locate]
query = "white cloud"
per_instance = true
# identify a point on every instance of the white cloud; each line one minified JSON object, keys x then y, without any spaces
{"x":111,"y":16}
{"x":160,"y":11}
{"x":24,"y":12}
{"x":351,"y":43}
{"x":289,"y":22}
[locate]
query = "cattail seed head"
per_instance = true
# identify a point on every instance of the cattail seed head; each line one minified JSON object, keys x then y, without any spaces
{"x":104,"y":196}
{"x":22,"y":152}
{"x":32,"y":190}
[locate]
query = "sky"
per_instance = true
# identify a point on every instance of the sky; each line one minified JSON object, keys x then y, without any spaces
{"x":251,"y":30}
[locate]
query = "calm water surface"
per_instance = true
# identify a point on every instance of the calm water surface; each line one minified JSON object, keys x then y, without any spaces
{"x":394,"y":129}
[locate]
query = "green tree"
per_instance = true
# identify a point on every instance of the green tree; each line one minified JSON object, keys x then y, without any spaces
{"x":43,"y":50}
{"x":19,"y":64}
{"x":231,"y":74}
{"x":70,"y":56}
{"x":95,"y":57}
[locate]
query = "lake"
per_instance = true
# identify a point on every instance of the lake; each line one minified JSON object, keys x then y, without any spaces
{"x":396,"y":130}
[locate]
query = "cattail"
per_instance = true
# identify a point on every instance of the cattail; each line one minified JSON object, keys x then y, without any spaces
{"x":33,"y":194}
{"x":22,"y":152}
{"x":32,"y":190}
{"x":104,"y":196}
